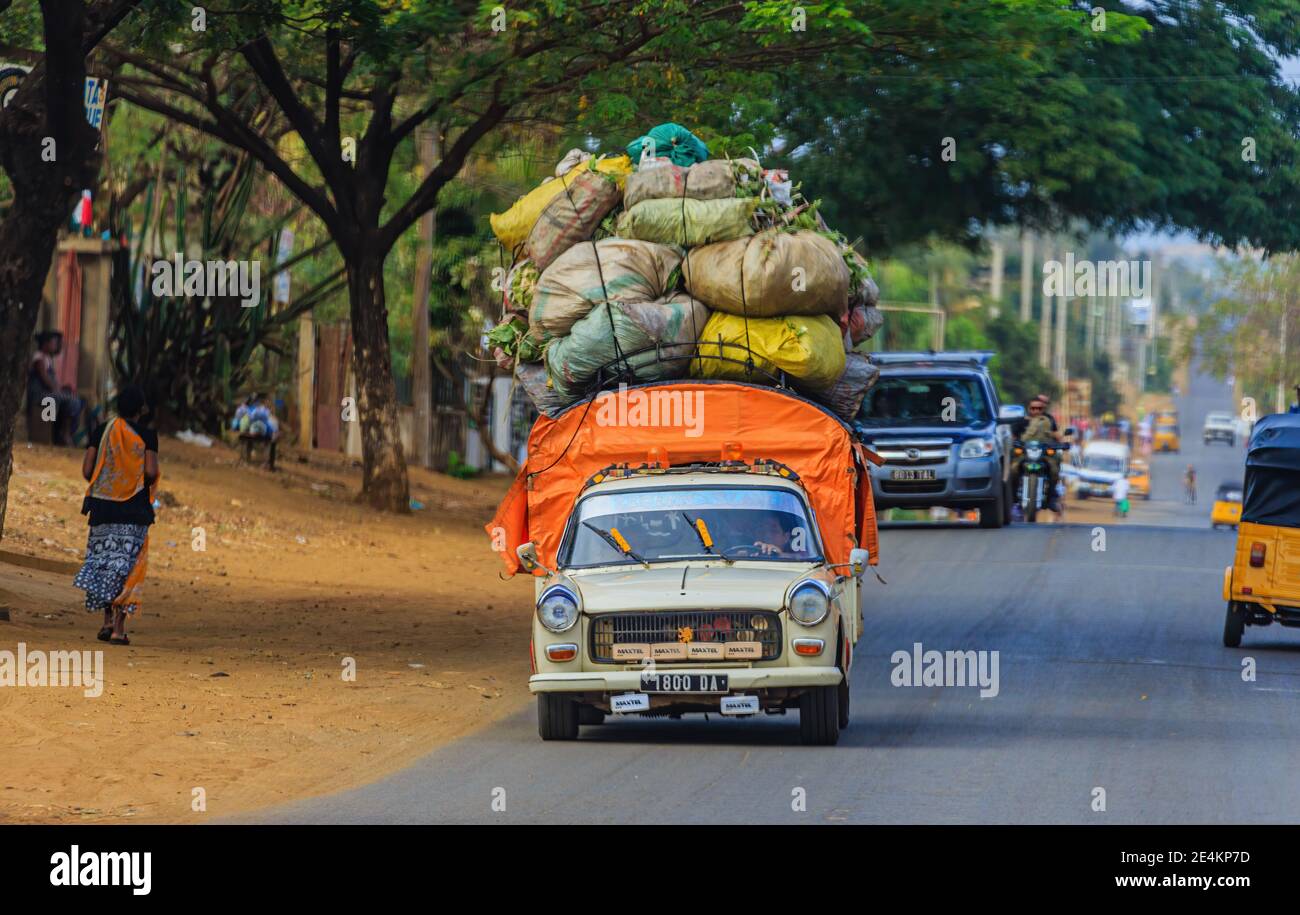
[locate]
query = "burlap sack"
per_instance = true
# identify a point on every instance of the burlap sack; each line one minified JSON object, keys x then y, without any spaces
{"x":845,"y":396}
{"x":711,"y":180}
{"x":672,"y":324}
{"x":808,"y":349}
{"x":688,"y":222}
{"x":532,"y":378}
{"x":779,"y":273}
{"x":634,"y":271}
{"x":572,"y":216}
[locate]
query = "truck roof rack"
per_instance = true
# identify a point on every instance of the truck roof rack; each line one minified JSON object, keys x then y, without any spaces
{"x":931,"y":357}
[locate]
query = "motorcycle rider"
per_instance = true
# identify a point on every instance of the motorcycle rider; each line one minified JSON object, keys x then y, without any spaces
{"x":1039,"y":427}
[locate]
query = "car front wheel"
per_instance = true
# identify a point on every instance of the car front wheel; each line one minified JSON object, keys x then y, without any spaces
{"x":557,"y":717}
{"x":819,"y":716}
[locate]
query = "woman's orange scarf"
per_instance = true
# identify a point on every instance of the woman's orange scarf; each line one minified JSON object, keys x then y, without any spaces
{"x":118,"y":476}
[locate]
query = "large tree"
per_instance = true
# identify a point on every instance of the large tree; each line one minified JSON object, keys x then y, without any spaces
{"x":48,"y":153}
{"x":1169,"y":115}
{"x":355,"y":80}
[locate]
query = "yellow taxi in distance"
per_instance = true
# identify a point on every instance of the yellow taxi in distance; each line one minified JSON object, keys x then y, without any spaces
{"x":1139,"y":479}
{"x":1262,"y":586}
{"x":1166,"y":436}
{"x":1227,"y":505}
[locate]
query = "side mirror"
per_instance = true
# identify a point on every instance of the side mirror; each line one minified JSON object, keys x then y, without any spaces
{"x":858,"y":559}
{"x":1071,"y":431}
{"x":1010,"y":413}
{"x":527,"y":553}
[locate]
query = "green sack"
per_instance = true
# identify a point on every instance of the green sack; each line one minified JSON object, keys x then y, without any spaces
{"x":688,"y":222}
{"x":673,"y":142}
{"x":676,"y":322}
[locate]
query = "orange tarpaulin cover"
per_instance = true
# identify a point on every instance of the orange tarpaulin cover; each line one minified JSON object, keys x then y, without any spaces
{"x":691,"y":421}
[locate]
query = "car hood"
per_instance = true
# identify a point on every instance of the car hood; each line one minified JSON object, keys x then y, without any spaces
{"x":688,"y":586}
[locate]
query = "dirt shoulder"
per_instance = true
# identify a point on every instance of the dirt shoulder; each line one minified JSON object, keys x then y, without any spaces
{"x":235,"y":682}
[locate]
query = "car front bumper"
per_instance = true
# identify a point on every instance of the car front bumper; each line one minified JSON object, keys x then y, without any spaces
{"x":739,"y":679}
{"x":967,"y":483}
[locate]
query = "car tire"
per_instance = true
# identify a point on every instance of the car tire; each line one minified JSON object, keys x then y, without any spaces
{"x":991,"y":513}
{"x":819,"y":716}
{"x":1006,"y":503}
{"x":1234,"y":624}
{"x":590,"y":715}
{"x":557,"y":717}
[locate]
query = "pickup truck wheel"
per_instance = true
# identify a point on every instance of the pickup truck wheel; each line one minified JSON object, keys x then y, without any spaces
{"x":1007,"y":501}
{"x":589,"y":714}
{"x":1234,"y":624}
{"x":557,"y":717}
{"x":819,"y":716}
{"x":991,"y":512}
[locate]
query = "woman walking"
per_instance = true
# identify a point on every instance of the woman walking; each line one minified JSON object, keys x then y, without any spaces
{"x":121,"y":466}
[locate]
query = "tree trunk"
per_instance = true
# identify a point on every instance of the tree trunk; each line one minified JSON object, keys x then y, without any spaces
{"x":384,"y":481}
{"x":47,"y":109}
{"x":421,"y":376}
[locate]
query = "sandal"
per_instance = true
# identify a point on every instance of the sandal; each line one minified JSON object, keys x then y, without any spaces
{"x":119,"y":641}
{"x":105,"y":634}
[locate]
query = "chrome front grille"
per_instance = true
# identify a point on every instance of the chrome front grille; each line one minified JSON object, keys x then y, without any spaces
{"x":701,"y":627}
{"x":914,"y":452}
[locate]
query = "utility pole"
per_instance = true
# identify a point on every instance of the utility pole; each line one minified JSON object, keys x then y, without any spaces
{"x":1058,"y":358}
{"x":1045,"y":315}
{"x":1026,"y":275}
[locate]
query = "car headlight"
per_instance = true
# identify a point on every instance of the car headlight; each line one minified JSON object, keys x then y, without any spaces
{"x":558,"y":609}
{"x":809,"y":603}
{"x":976,"y":448}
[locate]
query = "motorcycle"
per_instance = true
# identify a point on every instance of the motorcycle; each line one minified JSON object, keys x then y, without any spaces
{"x":1034,"y":472}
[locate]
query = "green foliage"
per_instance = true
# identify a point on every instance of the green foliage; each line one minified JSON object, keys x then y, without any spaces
{"x":1142,"y":123}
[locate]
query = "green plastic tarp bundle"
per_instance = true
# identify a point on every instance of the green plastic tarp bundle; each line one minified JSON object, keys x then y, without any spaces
{"x":688,"y":222}
{"x":676,"y":321}
{"x":673,"y":142}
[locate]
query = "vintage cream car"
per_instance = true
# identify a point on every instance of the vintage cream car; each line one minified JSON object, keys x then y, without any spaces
{"x":694,"y":591}
{"x":712,"y":568}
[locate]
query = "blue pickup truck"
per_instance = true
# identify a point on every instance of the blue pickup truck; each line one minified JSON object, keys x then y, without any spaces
{"x":936,"y":420}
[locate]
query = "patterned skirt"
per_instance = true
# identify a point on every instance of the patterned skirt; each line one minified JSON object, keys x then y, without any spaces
{"x":112,"y":554}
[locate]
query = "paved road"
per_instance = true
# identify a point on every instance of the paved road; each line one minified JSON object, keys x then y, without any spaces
{"x":1111,"y":671}
{"x":1215,"y":463}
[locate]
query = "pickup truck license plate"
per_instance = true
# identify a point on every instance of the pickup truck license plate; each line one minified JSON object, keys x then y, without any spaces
{"x":905,"y":474}
{"x":669,"y":682}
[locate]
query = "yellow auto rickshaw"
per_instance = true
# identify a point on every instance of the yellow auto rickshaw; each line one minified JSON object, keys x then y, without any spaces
{"x":1262,"y":585}
{"x":1227,"y":505}
{"x":1166,"y":437}
{"x":1139,"y":479}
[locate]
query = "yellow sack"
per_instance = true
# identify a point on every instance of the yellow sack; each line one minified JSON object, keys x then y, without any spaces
{"x":512,"y":226}
{"x":809,"y":349}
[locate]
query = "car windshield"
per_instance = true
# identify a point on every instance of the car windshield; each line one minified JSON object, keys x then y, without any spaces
{"x":1230,"y":493}
{"x":1219,"y":419}
{"x":1104,"y":462}
{"x":925,"y":402}
{"x":759,"y":522}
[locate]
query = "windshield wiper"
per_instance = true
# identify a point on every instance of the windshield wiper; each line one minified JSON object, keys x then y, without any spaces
{"x":619,"y":543}
{"x":702,"y":534}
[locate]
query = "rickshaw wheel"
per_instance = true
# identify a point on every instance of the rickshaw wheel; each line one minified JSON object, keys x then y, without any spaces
{"x":1234,"y":624}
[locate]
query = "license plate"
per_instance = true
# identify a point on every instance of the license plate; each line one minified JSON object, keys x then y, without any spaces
{"x":903,"y":474}
{"x":683,"y":683}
